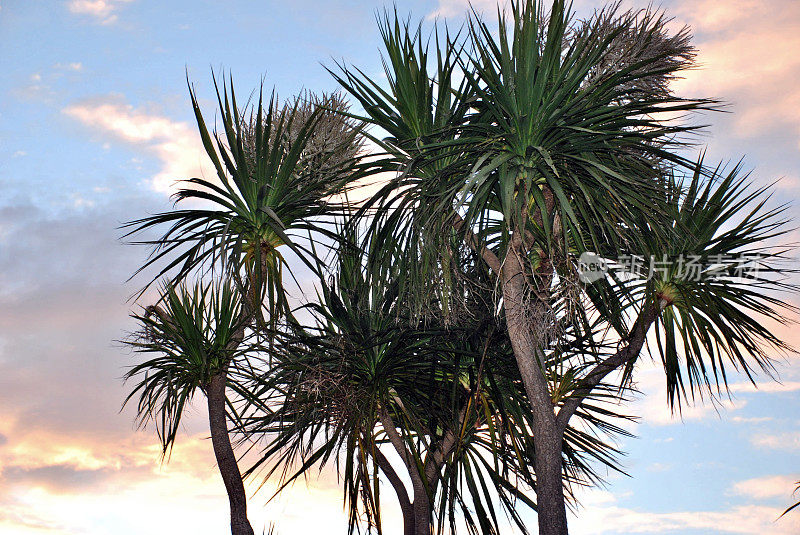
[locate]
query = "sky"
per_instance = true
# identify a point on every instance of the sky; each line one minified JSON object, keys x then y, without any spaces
{"x":96,"y":127}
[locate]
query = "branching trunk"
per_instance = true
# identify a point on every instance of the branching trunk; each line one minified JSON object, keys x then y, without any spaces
{"x":626,"y":355}
{"x":226,"y":459}
{"x":422,"y":509}
{"x":417,"y":514}
{"x":406,"y":507}
{"x":525,"y":305}
{"x":523,"y":315}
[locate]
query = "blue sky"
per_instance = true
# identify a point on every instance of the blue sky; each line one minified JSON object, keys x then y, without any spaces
{"x":95,"y":127}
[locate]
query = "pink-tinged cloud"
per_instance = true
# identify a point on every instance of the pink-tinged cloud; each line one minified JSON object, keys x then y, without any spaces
{"x":176,"y":145}
{"x":103,"y":11}
{"x":748,"y":56}
{"x":70,"y":462}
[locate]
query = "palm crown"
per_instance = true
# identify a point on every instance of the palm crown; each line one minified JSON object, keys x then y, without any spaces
{"x":276,"y":168}
{"x":195,"y":334}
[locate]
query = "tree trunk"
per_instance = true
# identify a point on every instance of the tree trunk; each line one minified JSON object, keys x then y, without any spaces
{"x":524,"y":316}
{"x":422,"y":510}
{"x":406,"y":507}
{"x":551,"y":507}
{"x":409,"y":526}
{"x":226,"y":459}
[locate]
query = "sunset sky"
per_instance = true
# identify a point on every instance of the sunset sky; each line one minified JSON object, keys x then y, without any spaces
{"x":95,"y":128}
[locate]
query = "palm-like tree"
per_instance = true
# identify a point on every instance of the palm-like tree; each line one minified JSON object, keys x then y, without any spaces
{"x":561,"y":141}
{"x":276,"y":168}
{"x":448,"y":401}
{"x":198,"y":340}
{"x":276,"y":171}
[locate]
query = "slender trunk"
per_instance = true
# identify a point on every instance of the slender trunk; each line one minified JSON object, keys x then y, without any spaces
{"x":226,"y":459}
{"x":422,"y":510}
{"x":551,"y":507}
{"x":409,"y":526}
{"x":406,"y":507}
{"x":523,"y":316}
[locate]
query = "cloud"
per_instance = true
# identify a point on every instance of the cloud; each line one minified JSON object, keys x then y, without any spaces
{"x":175,"y":144}
{"x":659,"y":467}
{"x":56,"y":478}
{"x":80,"y":202}
{"x":62,"y":303}
{"x":747,"y":54}
{"x":101,"y":10}
{"x":766,"y":387}
{"x":753,"y":420}
{"x":458,"y":8}
{"x":762,"y":488}
{"x":75,"y":66}
{"x":600,"y":514}
{"x":652,"y":404}
{"x":789,"y":441}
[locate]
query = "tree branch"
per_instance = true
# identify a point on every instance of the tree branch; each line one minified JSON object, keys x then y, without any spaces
{"x":622,"y":357}
{"x":388,"y":470}
{"x":397,"y":441}
{"x":435,"y":459}
{"x":472,"y":241}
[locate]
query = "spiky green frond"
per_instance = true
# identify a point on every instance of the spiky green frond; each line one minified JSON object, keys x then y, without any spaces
{"x":276,"y":167}
{"x":724,"y":279}
{"x":359,"y":354}
{"x":194,"y":334}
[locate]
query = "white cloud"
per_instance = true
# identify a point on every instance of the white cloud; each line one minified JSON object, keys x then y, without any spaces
{"x":754,"y":420}
{"x":652,"y":405}
{"x":80,"y":202}
{"x":762,"y":488}
{"x":101,"y":10}
{"x":75,"y":66}
{"x":789,"y":441}
{"x":601,"y":514}
{"x":488,"y":8}
{"x":457,"y":8}
{"x":659,"y":467}
{"x":767,"y":387}
{"x":175,"y":144}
